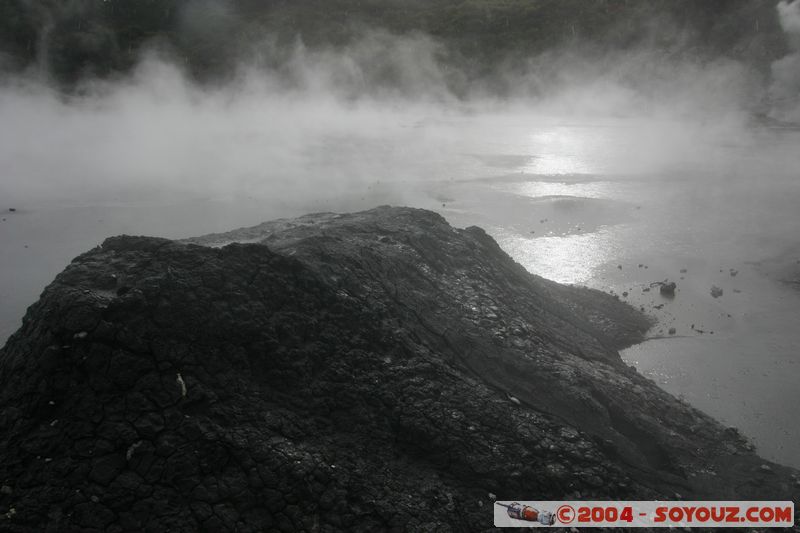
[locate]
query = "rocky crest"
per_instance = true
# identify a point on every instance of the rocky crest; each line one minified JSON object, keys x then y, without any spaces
{"x":365,"y":372}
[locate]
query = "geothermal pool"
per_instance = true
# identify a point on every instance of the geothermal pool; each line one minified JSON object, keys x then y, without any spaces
{"x":615,"y":204}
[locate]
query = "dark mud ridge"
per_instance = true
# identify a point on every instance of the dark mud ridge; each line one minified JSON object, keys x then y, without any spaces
{"x":366,"y":372}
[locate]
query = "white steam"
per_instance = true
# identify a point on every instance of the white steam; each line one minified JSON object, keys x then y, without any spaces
{"x":789,"y":13}
{"x":785,"y":88}
{"x":379,"y":114}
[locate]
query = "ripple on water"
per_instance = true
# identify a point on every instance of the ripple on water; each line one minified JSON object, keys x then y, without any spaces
{"x":540,"y":189}
{"x":566,"y":259}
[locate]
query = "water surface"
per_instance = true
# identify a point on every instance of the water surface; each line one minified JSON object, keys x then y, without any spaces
{"x":615,"y":204}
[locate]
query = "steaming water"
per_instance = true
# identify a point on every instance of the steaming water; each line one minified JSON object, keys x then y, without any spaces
{"x":590,"y":214}
{"x":570,"y":201}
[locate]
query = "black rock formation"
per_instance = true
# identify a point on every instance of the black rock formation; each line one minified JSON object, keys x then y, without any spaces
{"x":365,"y":372}
{"x":668,"y":288}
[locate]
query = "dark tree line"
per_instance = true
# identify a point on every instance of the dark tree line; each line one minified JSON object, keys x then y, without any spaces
{"x":73,"y":38}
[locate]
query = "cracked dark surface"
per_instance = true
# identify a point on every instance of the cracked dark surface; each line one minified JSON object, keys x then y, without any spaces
{"x":365,"y":372}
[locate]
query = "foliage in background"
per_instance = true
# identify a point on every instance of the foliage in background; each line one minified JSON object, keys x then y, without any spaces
{"x":74,"y":38}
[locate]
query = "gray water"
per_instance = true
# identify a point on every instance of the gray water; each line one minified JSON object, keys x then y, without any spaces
{"x":571,"y":200}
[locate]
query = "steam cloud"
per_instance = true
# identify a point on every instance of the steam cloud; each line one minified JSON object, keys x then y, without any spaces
{"x":785,"y":88}
{"x":380,"y":113}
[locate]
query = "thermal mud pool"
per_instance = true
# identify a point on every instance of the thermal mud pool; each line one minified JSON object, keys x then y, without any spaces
{"x":620,"y":205}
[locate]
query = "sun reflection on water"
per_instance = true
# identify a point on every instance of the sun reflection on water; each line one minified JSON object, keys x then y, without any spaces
{"x":556,"y":164}
{"x":566,"y":259}
{"x":539,"y":189}
{"x":565,"y":150}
